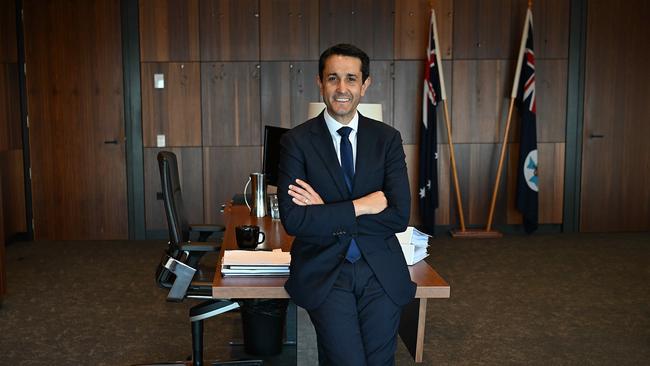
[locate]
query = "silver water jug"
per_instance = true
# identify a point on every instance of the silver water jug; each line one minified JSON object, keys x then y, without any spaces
{"x":258,"y":193}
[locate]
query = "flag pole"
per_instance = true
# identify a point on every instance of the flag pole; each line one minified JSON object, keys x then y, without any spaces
{"x":513,"y":95}
{"x":443,"y":96}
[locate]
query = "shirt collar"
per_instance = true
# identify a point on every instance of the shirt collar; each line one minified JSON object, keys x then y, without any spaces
{"x":334,"y":125}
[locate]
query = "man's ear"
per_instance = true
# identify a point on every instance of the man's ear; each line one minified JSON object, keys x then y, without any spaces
{"x":320,"y":84}
{"x":365,"y":85}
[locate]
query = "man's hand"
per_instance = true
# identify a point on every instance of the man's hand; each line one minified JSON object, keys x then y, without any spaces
{"x":303,"y":194}
{"x":372,"y":203}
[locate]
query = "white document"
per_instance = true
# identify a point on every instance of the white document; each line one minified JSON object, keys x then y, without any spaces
{"x":413,"y":253}
{"x":413,"y":236}
{"x":255,"y":263}
{"x":256,"y":258}
{"x":414,"y":244}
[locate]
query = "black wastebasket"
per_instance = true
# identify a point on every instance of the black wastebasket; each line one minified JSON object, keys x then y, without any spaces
{"x":263,"y":324}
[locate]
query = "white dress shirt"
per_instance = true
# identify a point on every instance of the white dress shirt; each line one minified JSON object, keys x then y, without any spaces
{"x":334,"y":125}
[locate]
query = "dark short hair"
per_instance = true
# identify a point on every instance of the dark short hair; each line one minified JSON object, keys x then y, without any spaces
{"x":344,"y":49}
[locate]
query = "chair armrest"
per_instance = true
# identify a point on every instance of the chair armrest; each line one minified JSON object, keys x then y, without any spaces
{"x":206,"y":227}
{"x":203,"y":247}
{"x":205,"y":230}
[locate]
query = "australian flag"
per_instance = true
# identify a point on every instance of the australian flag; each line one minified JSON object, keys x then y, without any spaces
{"x":428,"y":174}
{"x":527,"y":201}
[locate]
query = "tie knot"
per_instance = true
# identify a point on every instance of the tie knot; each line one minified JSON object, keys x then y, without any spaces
{"x":344,"y":131}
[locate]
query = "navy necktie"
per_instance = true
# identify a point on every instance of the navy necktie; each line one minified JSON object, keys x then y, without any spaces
{"x":347,"y":164}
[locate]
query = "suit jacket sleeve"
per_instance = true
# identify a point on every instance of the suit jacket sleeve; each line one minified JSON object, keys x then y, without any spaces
{"x":395,"y":217}
{"x":315,"y":220}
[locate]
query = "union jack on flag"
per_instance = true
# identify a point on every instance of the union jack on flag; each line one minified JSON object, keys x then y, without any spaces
{"x":527,"y":78}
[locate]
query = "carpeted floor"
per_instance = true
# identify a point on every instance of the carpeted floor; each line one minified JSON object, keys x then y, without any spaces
{"x":541,"y":300}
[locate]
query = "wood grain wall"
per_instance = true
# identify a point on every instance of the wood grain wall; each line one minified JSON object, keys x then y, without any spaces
{"x":615,"y":154}
{"x":12,"y":202}
{"x":254,"y":62}
{"x":11,"y":145}
{"x":74,"y":88}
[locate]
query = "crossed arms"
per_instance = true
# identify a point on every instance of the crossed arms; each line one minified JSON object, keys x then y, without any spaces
{"x":305,"y":213}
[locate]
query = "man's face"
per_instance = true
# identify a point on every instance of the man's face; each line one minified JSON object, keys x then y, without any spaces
{"x":342,"y":87}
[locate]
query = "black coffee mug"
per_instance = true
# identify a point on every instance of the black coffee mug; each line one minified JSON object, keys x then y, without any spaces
{"x":249,"y":236}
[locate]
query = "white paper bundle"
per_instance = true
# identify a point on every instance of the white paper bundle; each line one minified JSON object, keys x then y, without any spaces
{"x":414,"y":244}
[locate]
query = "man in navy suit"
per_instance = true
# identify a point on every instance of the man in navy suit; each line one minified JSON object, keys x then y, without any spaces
{"x":344,"y":192}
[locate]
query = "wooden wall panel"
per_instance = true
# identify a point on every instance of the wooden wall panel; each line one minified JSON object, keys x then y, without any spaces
{"x":231,"y":103}
{"x":480,"y":101}
{"x":169,"y":30}
{"x":445,"y":21}
{"x":477,"y":166}
{"x":367,"y":24}
{"x":289,"y":30}
{"x":225,"y":172}
{"x":13,"y":192}
{"x":304,"y":90}
{"x":8,"y":40}
{"x":551,"y":29}
{"x":381,"y":88}
{"x":190,"y":171}
{"x":412,"y":26}
{"x":551,"y":96}
{"x":483,"y":30}
{"x":616,"y":157}
{"x":3,"y":268}
{"x":551,"y":183}
{"x":287,"y":90}
{"x":175,"y":110}
{"x":10,"y":128}
{"x":273,"y":80}
{"x":74,"y":89}
{"x":275,"y":90}
{"x":409,"y":79}
{"x":551,"y":168}
{"x":229,"y":30}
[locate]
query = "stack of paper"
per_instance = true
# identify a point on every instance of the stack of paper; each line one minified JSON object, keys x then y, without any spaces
{"x":255,"y":263}
{"x":414,"y":244}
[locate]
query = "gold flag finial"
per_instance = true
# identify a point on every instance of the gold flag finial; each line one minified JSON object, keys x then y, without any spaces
{"x":530,"y":4}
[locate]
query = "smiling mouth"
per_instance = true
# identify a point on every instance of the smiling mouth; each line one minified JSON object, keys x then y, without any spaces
{"x":342,"y":99}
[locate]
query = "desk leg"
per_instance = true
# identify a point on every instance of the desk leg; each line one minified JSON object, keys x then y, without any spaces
{"x":411,"y":327}
{"x":291,"y":327}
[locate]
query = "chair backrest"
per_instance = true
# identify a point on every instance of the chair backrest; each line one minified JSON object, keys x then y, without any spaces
{"x":174,"y":210}
{"x":179,"y":229}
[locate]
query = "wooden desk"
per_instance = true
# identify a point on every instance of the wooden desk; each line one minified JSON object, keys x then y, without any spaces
{"x":413,"y":321}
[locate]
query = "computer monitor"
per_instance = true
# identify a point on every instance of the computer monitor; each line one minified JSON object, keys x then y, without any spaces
{"x":272,"y":135}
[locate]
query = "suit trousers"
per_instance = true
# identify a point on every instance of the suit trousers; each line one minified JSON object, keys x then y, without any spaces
{"x":357,"y":323}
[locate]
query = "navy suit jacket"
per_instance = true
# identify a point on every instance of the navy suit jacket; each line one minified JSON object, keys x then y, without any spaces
{"x":323,"y":232}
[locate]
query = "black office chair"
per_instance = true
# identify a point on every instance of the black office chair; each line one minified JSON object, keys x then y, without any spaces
{"x":180,"y":269}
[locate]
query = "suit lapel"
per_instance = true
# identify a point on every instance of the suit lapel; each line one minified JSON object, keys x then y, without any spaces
{"x":324,"y":147}
{"x":364,"y":160}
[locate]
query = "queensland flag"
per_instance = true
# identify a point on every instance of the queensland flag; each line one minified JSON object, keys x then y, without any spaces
{"x":428,"y":172}
{"x":527,"y":180}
